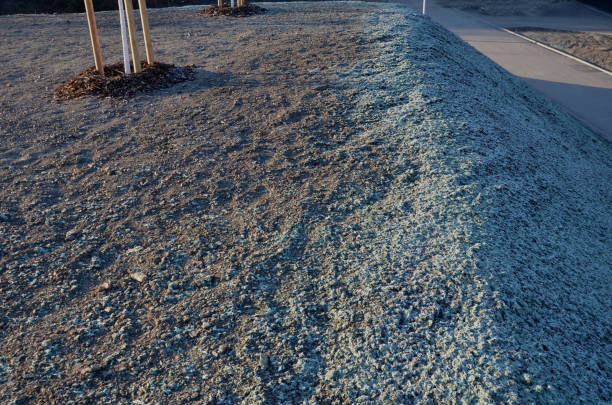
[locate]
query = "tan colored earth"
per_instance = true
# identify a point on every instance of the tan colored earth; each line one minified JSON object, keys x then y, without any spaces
{"x":592,"y":47}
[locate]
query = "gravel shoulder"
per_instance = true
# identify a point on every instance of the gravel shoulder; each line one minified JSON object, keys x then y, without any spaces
{"x":593,"y":47}
{"x":347,"y":205}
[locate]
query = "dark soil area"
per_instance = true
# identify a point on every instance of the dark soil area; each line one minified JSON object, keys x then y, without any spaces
{"x":600,"y":4}
{"x":115,"y":83}
{"x":226,"y":10}
{"x":77,"y":6}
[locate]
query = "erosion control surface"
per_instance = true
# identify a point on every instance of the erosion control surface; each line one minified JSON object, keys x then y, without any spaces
{"x":346,"y":205}
{"x":115,"y":83}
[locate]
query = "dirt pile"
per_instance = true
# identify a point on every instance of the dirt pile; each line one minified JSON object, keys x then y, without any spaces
{"x":226,"y":10}
{"x":346,"y":205}
{"x":115,"y":83}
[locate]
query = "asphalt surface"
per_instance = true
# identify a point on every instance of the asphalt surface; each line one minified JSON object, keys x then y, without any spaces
{"x":584,"y":92}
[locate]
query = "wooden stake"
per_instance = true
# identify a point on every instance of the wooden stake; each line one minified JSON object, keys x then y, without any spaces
{"x":93,"y":33}
{"x":142,"y":7}
{"x":219,"y":3}
{"x":129,"y":10}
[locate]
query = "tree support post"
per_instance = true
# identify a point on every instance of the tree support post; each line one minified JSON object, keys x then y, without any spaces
{"x":129,"y":10}
{"x":144,"y":19}
{"x":93,"y":33}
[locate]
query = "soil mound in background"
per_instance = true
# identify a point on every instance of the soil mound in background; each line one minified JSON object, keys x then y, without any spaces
{"x":226,"y":10}
{"x":76,"y":6}
{"x":115,"y":83}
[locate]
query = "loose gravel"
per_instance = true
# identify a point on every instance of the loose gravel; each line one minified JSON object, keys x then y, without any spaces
{"x":381,"y":215}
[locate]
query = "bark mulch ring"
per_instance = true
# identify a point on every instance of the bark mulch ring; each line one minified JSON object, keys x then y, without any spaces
{"x":115,"y":83}
{"x":242,"y":11}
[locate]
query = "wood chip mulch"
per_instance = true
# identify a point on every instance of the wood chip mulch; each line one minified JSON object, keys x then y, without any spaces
{"x":226,"y":10}
{"x":115,"y":83}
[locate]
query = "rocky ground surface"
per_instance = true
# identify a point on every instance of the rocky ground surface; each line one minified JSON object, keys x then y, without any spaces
{"x":346,"y":205}
{"x":590,"y":46}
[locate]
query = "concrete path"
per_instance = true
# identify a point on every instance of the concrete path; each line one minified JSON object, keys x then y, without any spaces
{"x":584,"y":92}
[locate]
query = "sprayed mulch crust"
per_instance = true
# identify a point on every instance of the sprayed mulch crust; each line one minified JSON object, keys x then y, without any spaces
{"x":115,"y":83}
{"x":226,"y":10}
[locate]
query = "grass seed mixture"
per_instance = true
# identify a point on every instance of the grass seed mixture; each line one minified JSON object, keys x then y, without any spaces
{"x":346,"y":205}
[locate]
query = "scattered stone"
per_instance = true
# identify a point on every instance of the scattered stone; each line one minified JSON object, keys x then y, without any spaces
{"x":173,"y":287}
{"x":138,"y":276}
{"x":73,"y":234}
{"x":223,"y":349}
{"x":133,"y":250}
{"x":96,"y":262}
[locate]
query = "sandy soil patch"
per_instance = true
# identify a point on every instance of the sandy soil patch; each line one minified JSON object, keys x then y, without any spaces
{"x":593,"y":47}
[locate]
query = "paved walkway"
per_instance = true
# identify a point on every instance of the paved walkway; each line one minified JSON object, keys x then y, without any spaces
{"x":585,"y":93}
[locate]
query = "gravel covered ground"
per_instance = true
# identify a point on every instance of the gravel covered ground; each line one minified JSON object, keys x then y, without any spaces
{"x":593,"y":47}
{"x":347,"y":205}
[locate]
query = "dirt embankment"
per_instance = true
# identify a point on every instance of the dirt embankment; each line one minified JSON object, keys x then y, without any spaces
{"x":347,"y":204}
